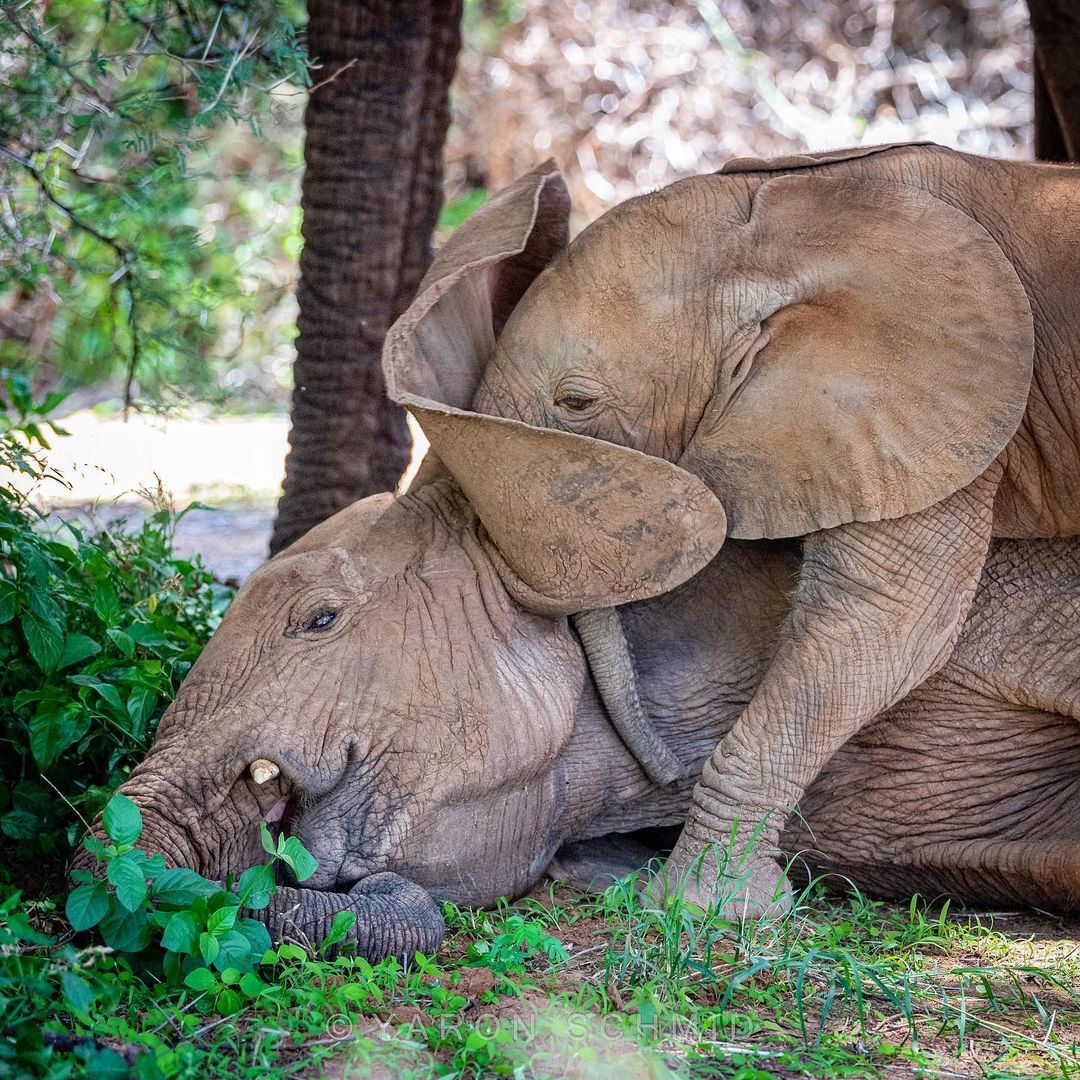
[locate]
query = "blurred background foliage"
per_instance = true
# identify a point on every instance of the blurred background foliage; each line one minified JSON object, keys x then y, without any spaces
{"x":151,"y":150}
{"x":150,"y":153}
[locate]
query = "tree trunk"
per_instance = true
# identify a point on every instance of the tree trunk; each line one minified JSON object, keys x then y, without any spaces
{"x":1055,"y":25}
{"x":375,"y":122}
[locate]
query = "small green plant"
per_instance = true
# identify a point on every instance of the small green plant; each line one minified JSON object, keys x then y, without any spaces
{"x":97,"y":629}
{"x":521,"y":940}
{"x":206,"y":942}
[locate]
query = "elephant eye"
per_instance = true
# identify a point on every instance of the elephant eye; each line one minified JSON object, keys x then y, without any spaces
{"x":574,"y":402}
{"x":323,"y":620}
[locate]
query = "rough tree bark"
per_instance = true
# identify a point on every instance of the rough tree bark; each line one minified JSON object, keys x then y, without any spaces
{"x":375,"y":126}
{"x":1055,"y":25}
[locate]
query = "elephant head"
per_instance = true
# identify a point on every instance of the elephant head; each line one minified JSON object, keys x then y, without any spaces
{"x":818,"y":349}
{"x":390,"y":690}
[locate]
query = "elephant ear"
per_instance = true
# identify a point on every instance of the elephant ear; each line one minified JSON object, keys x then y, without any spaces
{"x":576,"y":523}
{"x":789,"y":162}
{"x":440,"y":346}
{"x":896,"y":364}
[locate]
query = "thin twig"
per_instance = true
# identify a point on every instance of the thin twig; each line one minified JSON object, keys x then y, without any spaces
{"x":66,"y":799}
{"x":330,"y":78}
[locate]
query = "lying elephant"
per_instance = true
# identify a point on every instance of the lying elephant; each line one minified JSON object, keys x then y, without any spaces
{"x":840,"y":347}
{"x":384,"y":691}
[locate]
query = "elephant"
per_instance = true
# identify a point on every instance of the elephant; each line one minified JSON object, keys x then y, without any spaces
{"x":385,"y":690}
{"x":875,"y":349}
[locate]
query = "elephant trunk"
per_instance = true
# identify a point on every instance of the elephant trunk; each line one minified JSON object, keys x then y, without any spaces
{"x":394,"y":917}
{"x":612,"y":665}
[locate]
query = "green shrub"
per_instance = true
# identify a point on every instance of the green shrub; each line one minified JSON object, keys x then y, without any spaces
{"x":169,"y":935}
{"x":152,"y":239}
{"x":98,"y":626}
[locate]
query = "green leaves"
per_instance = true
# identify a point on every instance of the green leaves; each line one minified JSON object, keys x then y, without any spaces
{"x":194,"y":921}
{"x":44,"y":639}
{"x":87,"y":905}
{"x":122,"y":820}
{"x":178,"y":888}
{"x":127,"y":875}
{"x":297,"y":858}
{"x":97,"y":629}
{"x":256,"y":886}
{"x":181,"y":933}
{"x":290,"y":851}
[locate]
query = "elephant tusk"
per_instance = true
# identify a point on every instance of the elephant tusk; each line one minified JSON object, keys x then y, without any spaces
{"x":262,"y":770}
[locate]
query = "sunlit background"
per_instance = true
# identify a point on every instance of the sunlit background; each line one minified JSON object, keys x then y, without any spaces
{"x":626,"y":96}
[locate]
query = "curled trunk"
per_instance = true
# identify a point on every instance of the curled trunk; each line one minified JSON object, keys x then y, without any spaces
{"x":394,"y":917}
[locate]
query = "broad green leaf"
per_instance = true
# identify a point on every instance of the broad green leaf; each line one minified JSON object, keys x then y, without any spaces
{"x":235,"y":952}
{"x":267,"y":840}
{"x":302,"y":863}
{"x":8,"y":601}
{"x":201,"y":979}
{"x":130,"y":881}
{"x":258,"y":937}
{"x":256,"y":886}
{"x":20,"y":824}
{"x":228,"y":1002}
{"x":107,"y":604}
{"x":252,"y":985}
{"x":77,"y":992}
{"x":182,"y":933}
{"x":77,"y":647}
{"x":111,"y":695}
{"x":179,"y":887}
{"x":152,"y":865}
{"x":87,"y":905}
{"x":127,"y":931}
{"x":209,"y":947}
{"x":146,"y":635}
{"x":122,"y":820}
{"x":140,"y":706}
{"x":53,"y":730}
{"x":105,"y":1064}
{"x":122,"y":642}
{"x":221,"y":920}
{"x":45,"y":640}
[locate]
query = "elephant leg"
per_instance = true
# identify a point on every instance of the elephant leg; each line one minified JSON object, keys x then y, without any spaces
{"x":877,"y":609}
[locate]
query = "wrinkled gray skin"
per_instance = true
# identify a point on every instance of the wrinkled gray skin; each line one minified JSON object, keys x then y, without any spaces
{"x":434,"y":733}
{"x":645,"y":332}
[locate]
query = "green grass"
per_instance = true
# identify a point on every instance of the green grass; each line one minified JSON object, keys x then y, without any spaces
{"x":562,"y":984}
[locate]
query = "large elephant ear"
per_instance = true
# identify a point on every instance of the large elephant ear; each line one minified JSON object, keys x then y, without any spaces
{"x":577,"y":523}
{"x":440,"y":346}
{"x":897,"y":359}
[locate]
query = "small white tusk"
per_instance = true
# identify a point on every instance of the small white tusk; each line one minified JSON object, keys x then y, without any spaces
{"x":262,"y":770}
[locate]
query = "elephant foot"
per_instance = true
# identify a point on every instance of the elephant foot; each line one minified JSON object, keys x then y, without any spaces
{"x":735,"y":888}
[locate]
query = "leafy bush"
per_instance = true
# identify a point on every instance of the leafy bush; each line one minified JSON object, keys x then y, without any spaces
{"x":186,"y":932}
{"x":97,"y":629}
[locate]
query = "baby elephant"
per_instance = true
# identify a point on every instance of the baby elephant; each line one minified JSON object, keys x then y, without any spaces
{"x":877,"y":350}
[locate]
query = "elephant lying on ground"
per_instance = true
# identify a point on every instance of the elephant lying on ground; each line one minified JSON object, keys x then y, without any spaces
{"x":381,"y":691}
{"x":840,"y":347}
